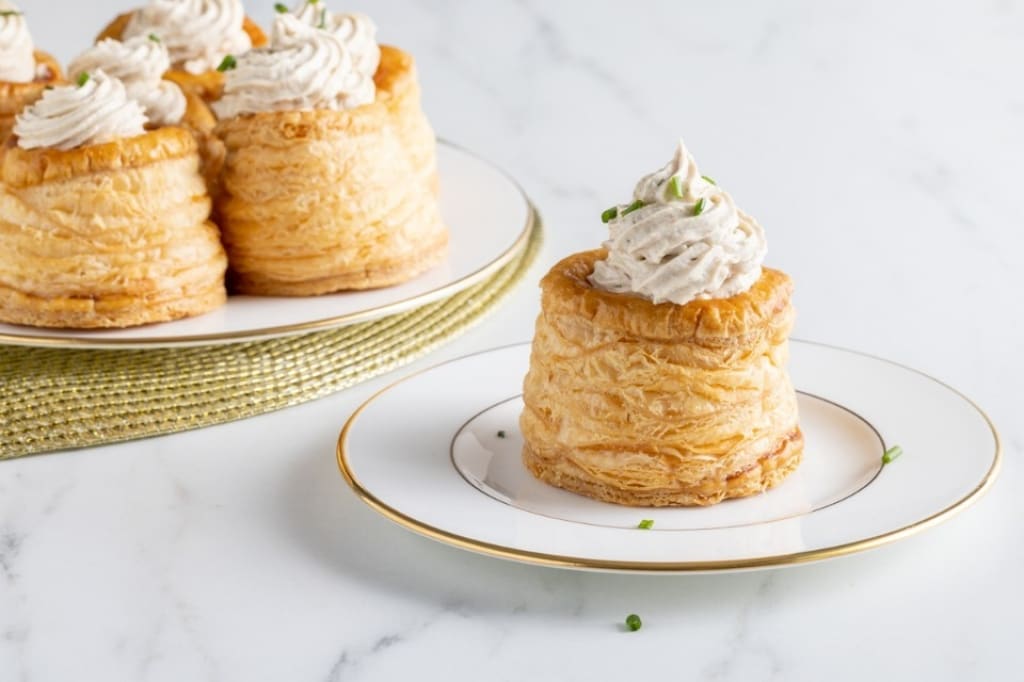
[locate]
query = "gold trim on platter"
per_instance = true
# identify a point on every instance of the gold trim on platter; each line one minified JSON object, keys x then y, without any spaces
{"x":583,"y":563}
{"x":39,"y":338}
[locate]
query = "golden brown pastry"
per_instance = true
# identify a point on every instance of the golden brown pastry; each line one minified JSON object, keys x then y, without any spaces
{"x":24,"y":71}
{"x":657,"y":375}
{"x":199,"y":33}
{"x":648,"y":404}
{"x":332,"y":188}
{"x":103,"y":224}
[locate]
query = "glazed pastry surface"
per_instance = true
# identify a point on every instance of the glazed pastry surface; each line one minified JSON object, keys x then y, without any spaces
{"x":107,"y":235}
{"x":648,"y":404}
{"x":319,"y":201}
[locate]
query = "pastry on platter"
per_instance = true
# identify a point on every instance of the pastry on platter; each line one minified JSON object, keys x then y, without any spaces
{"x":658,"y":370}
{"x":24,"y":71}
{"x":102,"y":223}
{"x":330,"y":176}
{"x":198,"y":34}
{"x":140,"y":63}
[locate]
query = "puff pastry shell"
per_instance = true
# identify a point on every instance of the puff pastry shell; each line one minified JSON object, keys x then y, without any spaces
{"x":207,"y":85}
{"x":108,"y":235}
{"x":319,"y":201}
{"x":16,"y":96}
{"x":660,"y":405}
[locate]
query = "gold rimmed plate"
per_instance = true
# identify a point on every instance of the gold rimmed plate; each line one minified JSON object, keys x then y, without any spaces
{"x":490,"y":220}
{"x":439,"y":454}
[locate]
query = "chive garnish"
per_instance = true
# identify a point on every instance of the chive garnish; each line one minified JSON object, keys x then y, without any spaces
{"x":501,"y":434}
{"x":709,"y":180}
{"x":633,"y":622}
{"x":228,"y":63}
{"x":610,"y":214}
{"x":632,"y":207}
{"x":323,"y":19}
{"x":83,"y":78}
{"x":10,"y":13}
{"x":646,"y":524}
{"x":676,"y":185}
{"x":280,"y":8}
{"x":699,"y":208}
{"x":154,"y":37}
{"x":891,"y":454}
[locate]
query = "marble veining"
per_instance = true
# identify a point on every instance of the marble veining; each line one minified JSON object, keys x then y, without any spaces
{"x":879,"y":143}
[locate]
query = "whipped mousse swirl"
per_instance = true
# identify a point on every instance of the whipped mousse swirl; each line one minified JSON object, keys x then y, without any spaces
{"x":357,"y":32}
{"x":304,"y":68}
{"x":17,"y":56}
{"x":93,"y":110}
{"x":681,"y":239}
{"x":140,"y":64}
{"x":198,"y":34}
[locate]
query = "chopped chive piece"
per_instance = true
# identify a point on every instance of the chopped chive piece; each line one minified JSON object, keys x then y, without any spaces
{"x":676,"y":185}
{"x":280,"y":8}
{"x":48,"y":87}
{"x":323,"y":19}
{"x":646,"y":524}
{"x":610,"y":214}
{"x":501,"y":434}
{"x":228,"y":63}
{"x":699,"y":208}
{"x":632,"y":207}
{"x":82,"y":79}
{"x":633,"y":622}
{"x":891,"y":454}
{"x":709,"y":180}
{"x":10,"y":13}
{"x":154,"y":37}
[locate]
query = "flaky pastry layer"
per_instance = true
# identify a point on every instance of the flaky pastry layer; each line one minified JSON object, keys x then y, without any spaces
{"x":660,"y":405}
{"x":109,"y":235}
{"x":208,"y":85}
{"x":319,"y":201}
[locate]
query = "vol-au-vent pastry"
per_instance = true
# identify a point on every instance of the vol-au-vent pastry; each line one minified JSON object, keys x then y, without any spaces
{"x":658,"y":369}
{"x":330,"y":177}
{"x":140,"y":63}
{"x":198,"y":34}
{"x":102,"y":223}
{"x":24,"y":71}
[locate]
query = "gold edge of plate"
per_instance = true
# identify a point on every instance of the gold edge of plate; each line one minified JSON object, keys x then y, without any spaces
{"x":475,"y":277}
{"x":562,"y":561}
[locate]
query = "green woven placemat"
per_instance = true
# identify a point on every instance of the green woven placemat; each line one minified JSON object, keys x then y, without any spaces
{"x":56,"y":399}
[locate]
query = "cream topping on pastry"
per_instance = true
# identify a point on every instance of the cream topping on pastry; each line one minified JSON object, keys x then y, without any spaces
{"x":140,"y":64}
{"x":357,"y":31}
{"x":198,"y":34}
{"x":99,"y":110}
{"x":682,"y":239}
{"x":303,"y":68}
{"x":17,"y":57}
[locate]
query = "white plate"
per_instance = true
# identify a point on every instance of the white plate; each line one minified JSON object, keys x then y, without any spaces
{"x":450,"y":469}
{"x":490,"y":219}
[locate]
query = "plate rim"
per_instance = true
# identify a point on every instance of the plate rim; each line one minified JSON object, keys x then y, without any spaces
{"x":40,"y":337}
{"x":568,"y":562}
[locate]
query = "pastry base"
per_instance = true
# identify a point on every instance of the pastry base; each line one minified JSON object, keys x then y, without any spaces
{"x":641,"y":404}
{"x":770,"y":469}
{"x":313,"y":202}
{"x":16,"y":96}
{"x":108,"y":235}
{"x":207,"y":85}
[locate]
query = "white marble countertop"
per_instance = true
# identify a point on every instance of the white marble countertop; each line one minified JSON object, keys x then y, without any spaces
{"x":880,"y":143}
